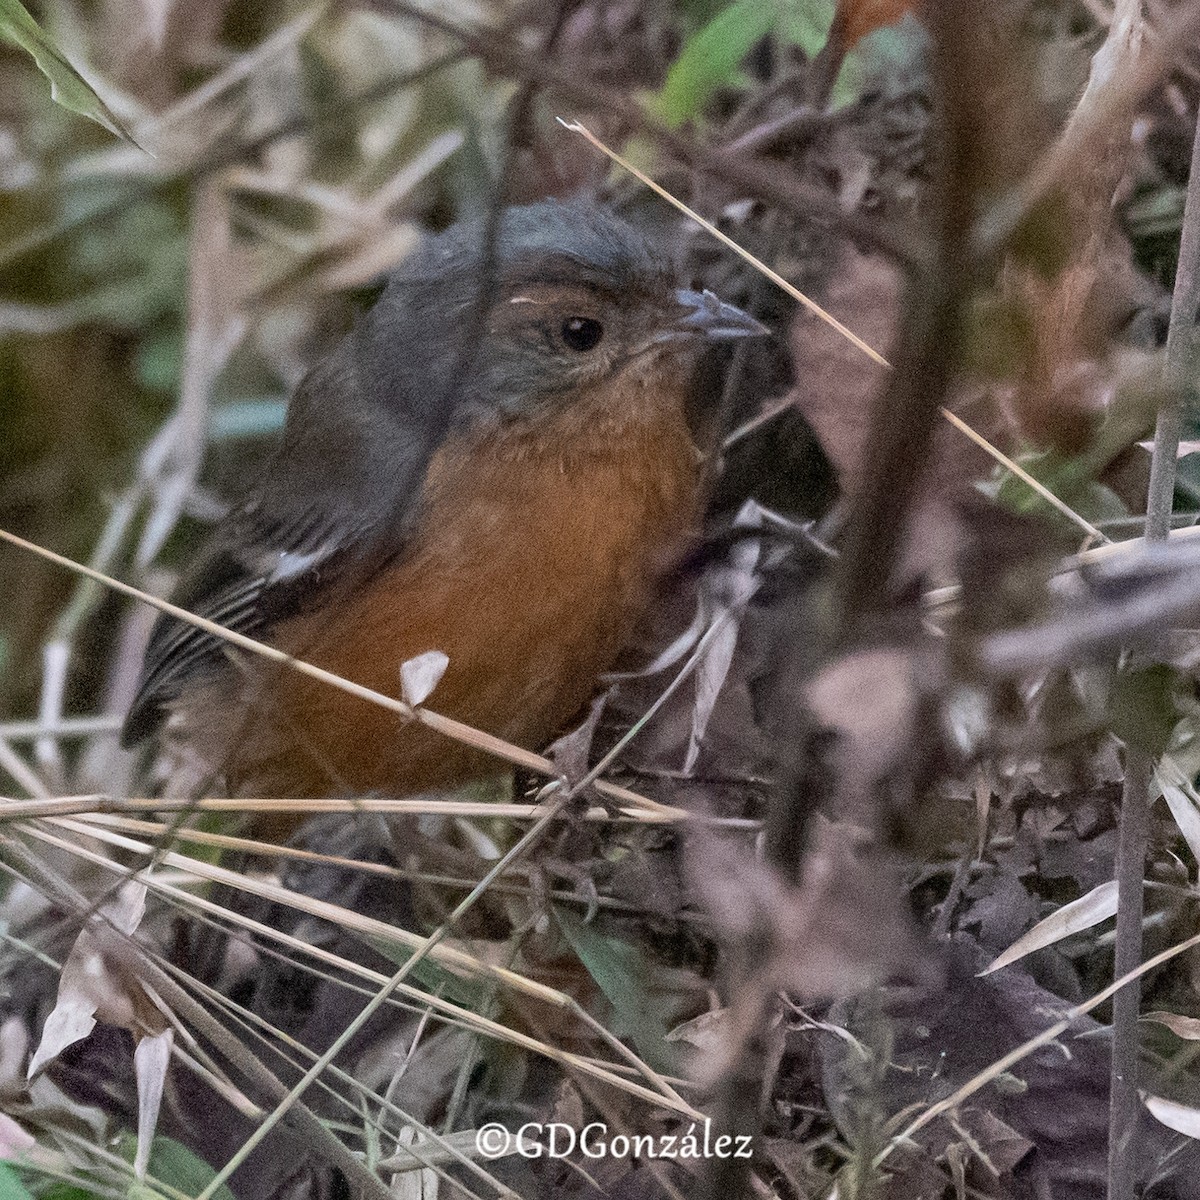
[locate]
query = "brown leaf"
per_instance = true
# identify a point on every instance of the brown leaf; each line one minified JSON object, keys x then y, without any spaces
{"x":836,"y":382}
{"x":844,"y":929}
{"x":857,"y":18}
{"x":870,"y":701}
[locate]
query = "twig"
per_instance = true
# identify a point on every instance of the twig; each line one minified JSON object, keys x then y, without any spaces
{"x":456,"y":730}
{"x":303,"y":1122}
{"x":906,"y":413}
{"x":61,"y":806}
{"x":1124,"y":1102}
{"x":1181,"y":346}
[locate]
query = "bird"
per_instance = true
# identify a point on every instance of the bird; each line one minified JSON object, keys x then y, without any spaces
{"x":495,"y":463}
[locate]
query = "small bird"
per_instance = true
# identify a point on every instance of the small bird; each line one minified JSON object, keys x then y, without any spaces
{"x":503,"y":481}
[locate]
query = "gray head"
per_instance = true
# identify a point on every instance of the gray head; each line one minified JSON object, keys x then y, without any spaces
{"x":576,"y":295}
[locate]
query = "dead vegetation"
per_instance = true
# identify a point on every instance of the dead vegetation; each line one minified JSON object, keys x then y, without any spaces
{"x":833,"y":866}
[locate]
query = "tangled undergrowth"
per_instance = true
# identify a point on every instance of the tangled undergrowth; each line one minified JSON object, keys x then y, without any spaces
{"x":828,"y":873}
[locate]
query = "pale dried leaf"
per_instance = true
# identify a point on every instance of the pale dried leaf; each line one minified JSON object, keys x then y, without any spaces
{"x":732,"y":587}
{"x":1179,"y":1025}
{"x":1180,"y":1117}
{"x":128,"y":908}
{"x":1182,"y":799}
{"x":150,"y":1061}
{"x":710,"y":676}
{"x":71,"y":1021}
{"x":420,"y":675}
{"x":706,"y":1033}
{"x":1003,"y":1147}
{"x":1098,"y":905}
{"x":87,"y":988}
{"x":571,"y":752}
{"x":434,"y":1152}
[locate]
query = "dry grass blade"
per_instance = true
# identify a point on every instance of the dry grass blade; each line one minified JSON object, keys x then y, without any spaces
{"x":369,"y":929}
{"x":1001,"y":1065}
{"x":1003,"y":459}
{"x":1098,"y":905}
{"x":455,"y":730}
{"x":434,"y":1151}
{"x":160,"y":831}
{"x":62,"y":806}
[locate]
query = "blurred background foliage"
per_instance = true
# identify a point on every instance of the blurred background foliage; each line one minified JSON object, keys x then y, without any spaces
{"x":161,"y":294}
{"x":178,"y":247}
{"x":282,"y":158}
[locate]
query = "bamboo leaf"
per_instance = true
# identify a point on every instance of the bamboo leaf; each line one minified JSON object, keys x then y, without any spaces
{"x":67,"y":86}
{"x":1098,"y":905}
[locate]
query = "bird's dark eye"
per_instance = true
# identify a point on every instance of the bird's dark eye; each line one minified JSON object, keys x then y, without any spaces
{"x":581,"y":333}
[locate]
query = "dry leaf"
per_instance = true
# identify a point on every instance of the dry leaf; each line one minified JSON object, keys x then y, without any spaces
{"x":150,"y":1060}
{"x":1098,"y":905}
{"x":842,"y":930}
{"x":1182,"y":799}
{"x":1182,"y":1118}
{"x":836,"y":382}
{"x":730,"y":589}
{"x":1180,"y":1026}
{"x":420,"y":675}
{"x":870,"y":700}
{"x":93,"y":987}
{"x":88,"y":988}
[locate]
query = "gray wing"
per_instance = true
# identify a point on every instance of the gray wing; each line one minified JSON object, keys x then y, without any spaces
{"x":338,"y":500}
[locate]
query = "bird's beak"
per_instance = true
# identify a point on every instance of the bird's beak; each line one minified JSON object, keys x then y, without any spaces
{"x":706,"y":315}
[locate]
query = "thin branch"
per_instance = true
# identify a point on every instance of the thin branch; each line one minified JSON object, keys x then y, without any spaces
{"x":1181,"y":348}
{"x":1124,"y":1100}
{"x":907,"y":411}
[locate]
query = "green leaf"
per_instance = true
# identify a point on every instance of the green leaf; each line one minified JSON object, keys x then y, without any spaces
{"x":1157,"y":212}
{"x":648,"y":999}
{"x":469,"y":991}
{"x":1144,"y":707}
{"x":712,"y":57}
{"x":67,"y":86}
{"x":174,"y":1164}
{"x":253,"y":417}
{"x":11,"y":1187}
